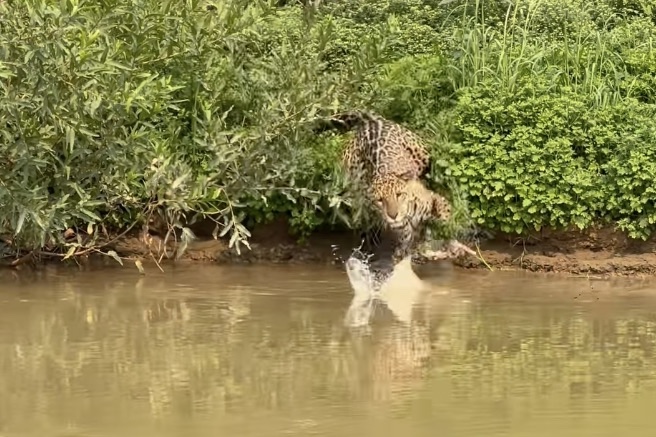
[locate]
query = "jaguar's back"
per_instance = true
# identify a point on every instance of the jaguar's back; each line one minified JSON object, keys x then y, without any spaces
{"x":381,"y":147}
{"x":399,"y":152}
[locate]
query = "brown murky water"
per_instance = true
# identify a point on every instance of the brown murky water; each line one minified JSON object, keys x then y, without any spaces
{"x":263,"y":351}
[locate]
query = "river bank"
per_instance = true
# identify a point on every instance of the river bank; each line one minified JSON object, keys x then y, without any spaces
{"x":602,"y":251}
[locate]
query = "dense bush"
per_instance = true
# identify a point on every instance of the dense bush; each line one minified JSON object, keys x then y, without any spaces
{"x":537,"y":157}
{"x":112,"y":110}
{"x":538,"y":132}
{"x":539,"y":113}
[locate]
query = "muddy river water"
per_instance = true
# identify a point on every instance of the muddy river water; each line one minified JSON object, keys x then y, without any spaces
{"x":265,"y":351}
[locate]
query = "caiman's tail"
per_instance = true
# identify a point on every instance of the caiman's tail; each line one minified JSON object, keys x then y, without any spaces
{"x":345,"y":121}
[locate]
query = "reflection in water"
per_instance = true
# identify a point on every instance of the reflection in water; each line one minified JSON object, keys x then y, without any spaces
{"x":263,"y":351}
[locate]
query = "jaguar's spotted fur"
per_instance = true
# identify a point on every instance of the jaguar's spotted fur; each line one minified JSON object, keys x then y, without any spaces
{"x":389,"y":161}
{"x":381,"y":148}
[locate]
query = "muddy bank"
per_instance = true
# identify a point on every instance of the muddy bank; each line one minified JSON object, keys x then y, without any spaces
{"x":596,"y":252}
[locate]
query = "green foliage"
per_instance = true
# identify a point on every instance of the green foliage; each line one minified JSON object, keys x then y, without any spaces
{"x":406,"y":26}
{"x":414,"y":90}
{"x":630,"y":167}
{"x":554,"y":133}
{"x":539,"y":113}
{"x":526,"y":158}
{"x":111,"y":110}
{"x":634,"y":43}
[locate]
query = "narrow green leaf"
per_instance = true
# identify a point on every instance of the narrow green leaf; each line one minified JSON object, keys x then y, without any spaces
{"x":114,"y":255}
{"x":70,"y":252}
{"x":21,"y":221}
{"x":70,"y":139}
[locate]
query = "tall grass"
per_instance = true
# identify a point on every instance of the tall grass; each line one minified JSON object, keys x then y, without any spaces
{"x":504,"y":57}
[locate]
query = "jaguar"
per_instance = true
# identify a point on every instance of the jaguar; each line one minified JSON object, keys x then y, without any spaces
{"x":389,"y":161}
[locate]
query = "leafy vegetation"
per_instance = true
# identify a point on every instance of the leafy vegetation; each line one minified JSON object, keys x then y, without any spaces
{"x":540,"y":113}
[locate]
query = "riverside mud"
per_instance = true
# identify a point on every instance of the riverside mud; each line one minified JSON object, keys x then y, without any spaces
{"x":601,"y":251}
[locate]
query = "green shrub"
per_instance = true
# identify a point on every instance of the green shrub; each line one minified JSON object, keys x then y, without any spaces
{"x":522,"y":158}
{"x":627,"y":136}
{"x":110,"y":111}
{"x":634,"y":42}
{"x":401,"y":27}
{"x":538,"y":157}
{"x":414,"y":89}
{"x":629,"y":9}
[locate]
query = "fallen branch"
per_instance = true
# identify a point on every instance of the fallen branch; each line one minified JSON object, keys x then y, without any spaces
{"x":453,"y":249}
{"x":22,"y":260}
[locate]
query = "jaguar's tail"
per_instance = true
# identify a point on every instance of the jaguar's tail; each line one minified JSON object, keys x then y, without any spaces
{"x":345,"y":121}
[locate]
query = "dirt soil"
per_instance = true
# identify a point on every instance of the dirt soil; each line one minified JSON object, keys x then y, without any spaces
{"x":600,"y":252}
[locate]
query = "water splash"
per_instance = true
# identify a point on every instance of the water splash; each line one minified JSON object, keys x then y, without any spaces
{"x":364,"y":284}
{"x":395,"y":286}
{"x":365,"y":279}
